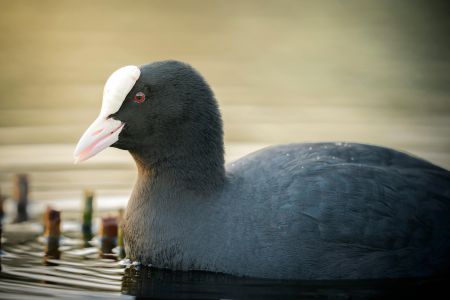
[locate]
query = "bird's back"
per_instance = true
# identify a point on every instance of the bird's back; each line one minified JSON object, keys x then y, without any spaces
{"x":337,"y":210}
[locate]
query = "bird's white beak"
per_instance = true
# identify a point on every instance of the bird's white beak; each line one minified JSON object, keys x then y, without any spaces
{"x":100,"y":135}
{"x":105,"y":131}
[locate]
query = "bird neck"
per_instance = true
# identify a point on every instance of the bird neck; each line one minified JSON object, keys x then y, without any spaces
{"x":200,"y":173}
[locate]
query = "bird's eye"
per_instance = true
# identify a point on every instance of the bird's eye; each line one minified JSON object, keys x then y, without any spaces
{"x":139,"y":97}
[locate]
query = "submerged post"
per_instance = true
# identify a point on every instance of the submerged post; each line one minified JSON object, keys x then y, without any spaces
{"x":87,"y":216}
{"x":52,"y":220}
{"x":20,"y":195}
{"x":108,"y":236}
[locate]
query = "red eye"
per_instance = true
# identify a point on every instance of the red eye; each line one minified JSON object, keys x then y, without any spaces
{"x":139,"y":97}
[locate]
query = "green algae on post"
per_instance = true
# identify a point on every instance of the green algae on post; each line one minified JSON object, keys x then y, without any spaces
{"x":86,"y":227}
{"x":2,"y":200}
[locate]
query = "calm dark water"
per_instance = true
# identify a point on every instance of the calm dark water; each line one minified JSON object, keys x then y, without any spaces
{"x":81,"y":274}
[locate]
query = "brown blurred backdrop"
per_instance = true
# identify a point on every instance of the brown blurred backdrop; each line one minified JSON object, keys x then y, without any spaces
{"x":283,"y":71}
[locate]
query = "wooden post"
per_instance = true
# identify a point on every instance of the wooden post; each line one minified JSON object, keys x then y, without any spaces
{"x":52,"y":220}
{"x":108,"y":236}
{"x":2,"y":200}
{"x":20,"y":195}
{"x":87,"y":216}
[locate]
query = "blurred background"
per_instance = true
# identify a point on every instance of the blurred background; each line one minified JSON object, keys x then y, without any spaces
{"x":283,"y":71}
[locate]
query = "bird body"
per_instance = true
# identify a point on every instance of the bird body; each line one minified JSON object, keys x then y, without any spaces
{"x":346,"y":211}
{"x":297,"y":211}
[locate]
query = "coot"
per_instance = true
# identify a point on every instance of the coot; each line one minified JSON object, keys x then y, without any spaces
{"x":298,"y":211}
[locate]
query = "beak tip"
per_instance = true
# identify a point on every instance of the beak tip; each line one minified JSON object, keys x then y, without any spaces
{"x":100,"y":135}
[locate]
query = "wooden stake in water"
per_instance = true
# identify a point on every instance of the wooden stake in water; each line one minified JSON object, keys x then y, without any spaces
{"x":120,"y":243}
{"x":2,"y":212}
{"x":52,"y":219}
{"x":20,"y":195}
{"x":87,"y":216}
{"x":108,"y":236}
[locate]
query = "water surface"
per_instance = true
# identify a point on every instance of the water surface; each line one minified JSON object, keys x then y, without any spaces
{"x":80,"y":274}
